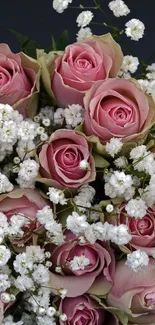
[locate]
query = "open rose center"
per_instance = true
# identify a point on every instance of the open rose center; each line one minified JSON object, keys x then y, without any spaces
{"x":144,"y":226}
{"x":150,"y":299}
{"x":84,"y":64}
{"x":83,"y":316}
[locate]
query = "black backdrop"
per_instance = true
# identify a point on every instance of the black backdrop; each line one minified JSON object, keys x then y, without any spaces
{"x":37,"y":20}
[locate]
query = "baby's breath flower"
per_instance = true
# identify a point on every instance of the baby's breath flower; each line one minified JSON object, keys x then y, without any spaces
{"x":119,"y":8}
{"x":137,"y":260}
{"x":113,"y":146}
{"x":83,"y":34}
{"x":61,"y":5}
{"x":134,"y":29}
{"x":84,"y":18}
{"x":136,"y":208}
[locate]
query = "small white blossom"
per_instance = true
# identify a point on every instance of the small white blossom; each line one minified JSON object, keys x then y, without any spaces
{"x":79,"y":263}
{"x":109,"y":208}
{"x":136,"y":208}
{"x":22,"y":264}
{"x":41,"y":274}
{"x":84,"y":18}
{"x":45,"y":320}
{"x":23,"y":283}
{"x":121,"y":162}
{"x":35,"y":254}
{"x":45,"y":215}
{"x":63,"y":317}
{"x":56,"y":196}
{"x":113,"y":146}
{"x":83,"y":34}
{"x":5,"y":185}
{"x":73,"y":115}
{"x":5,"y":255}
{"x":134,"y":29}
{"x":27,"y":173}
{"x":119,"y":184}
{"x":61,"y":5}
{"x":119,"y":234}
{"x":137,"y":260}
{"x":5,"y":297}
{"x":119,"y":8}
{"x":4,"y":282}
{"x":59,"y":116}
{"x":76,"y":223}
{"x":27,"y":130}
{"x":84,"y":165}
{"x":97,"y":231}
{"x":8,"y":320}
{"x":130,"y":63}
{"x":62,"y":293}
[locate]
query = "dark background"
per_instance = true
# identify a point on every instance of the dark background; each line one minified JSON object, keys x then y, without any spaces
{"x":37,"y":20}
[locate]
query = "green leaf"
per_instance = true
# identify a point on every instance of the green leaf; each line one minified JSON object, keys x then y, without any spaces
{"x":119,"y":313}
{"x":100,"y":162}
{"x":63,"y":41}
{"x":28,"y":46}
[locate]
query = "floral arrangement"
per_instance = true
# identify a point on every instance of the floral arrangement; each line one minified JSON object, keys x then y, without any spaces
{"x":77,"y":180}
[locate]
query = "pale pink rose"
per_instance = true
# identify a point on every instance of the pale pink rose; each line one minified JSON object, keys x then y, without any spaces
{"x":117,"y":108}
{"x":85,"y":310}
{"x":19,"y":76}
{"x":95,"y":278}
{"x":143,"y":230}
{"x":134,"y":293}
{"x":24,"y":201}
{"x":60,"y":160}
{"x":83,"y":63}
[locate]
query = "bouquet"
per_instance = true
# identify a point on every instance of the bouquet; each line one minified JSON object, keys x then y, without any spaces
{"x":77,"y":180}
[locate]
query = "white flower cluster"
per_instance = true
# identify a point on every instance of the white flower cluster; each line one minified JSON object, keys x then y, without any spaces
{"x":79,"y":263}
{"x":85,"y":197}
{"x":97,"y":231}
{"x":137,"y":260}
{"x":54,"y":229}
{"x":143,"y":160}
{"x":118,"y":184}
{"x":136,"y":208}
{"x":84,"y":33}
{"x":129,"y":66}
{"x":113,"y":146}
{"x":148,"y":86}
{"x":5,"y":184}
{"x":84,"y":18}
{"x":8,"y":320}
{"x":61,"y":5}
{"x":28,"y":171}
{"x":134,"y":29}
{"x":12,"y":227}
{"x":119,"y":8}
{"x":72,"y":115}
{"x":56,"y":196}
{"x":27,"y":132}
{"x":151,"y":74}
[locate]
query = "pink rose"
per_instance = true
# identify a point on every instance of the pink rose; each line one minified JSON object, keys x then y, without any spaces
{"x":60,"y":160}
{"x":134,"y":293}
{"x":85,"y":310}
{"x":143,"y":231}
{"x":117,"y":108}
{"x":19,"y":79}
{"x":24,"y":201}
{"x":83,"y":63}
{"x":94,"y":278}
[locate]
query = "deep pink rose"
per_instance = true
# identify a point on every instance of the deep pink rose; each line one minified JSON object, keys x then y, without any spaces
{"x":83,"y":310}
{"x":24,"y":201}
{"x":117,"y":108}
{"x":19,"y":79}
{"x":134,"y":293}
{"x":60,"y":160}
{"x":95,"y":278}
{"x":83,"y":63}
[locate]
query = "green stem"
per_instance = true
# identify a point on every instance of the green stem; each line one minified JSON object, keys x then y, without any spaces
{"x":82,"y":7}
{"x":97,"y":4}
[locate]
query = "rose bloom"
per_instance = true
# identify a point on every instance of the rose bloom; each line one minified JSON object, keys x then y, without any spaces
{"x":26,"y":202}
{"x":95,"y":278}
{"x":134,"y":293}
{"x":84,"y":310}
{"x":142,"y":230}
{"x":19,"y":79}
{"x":60,"y":160}
{"x":117,"y":108}
{"x":81,"y":64}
